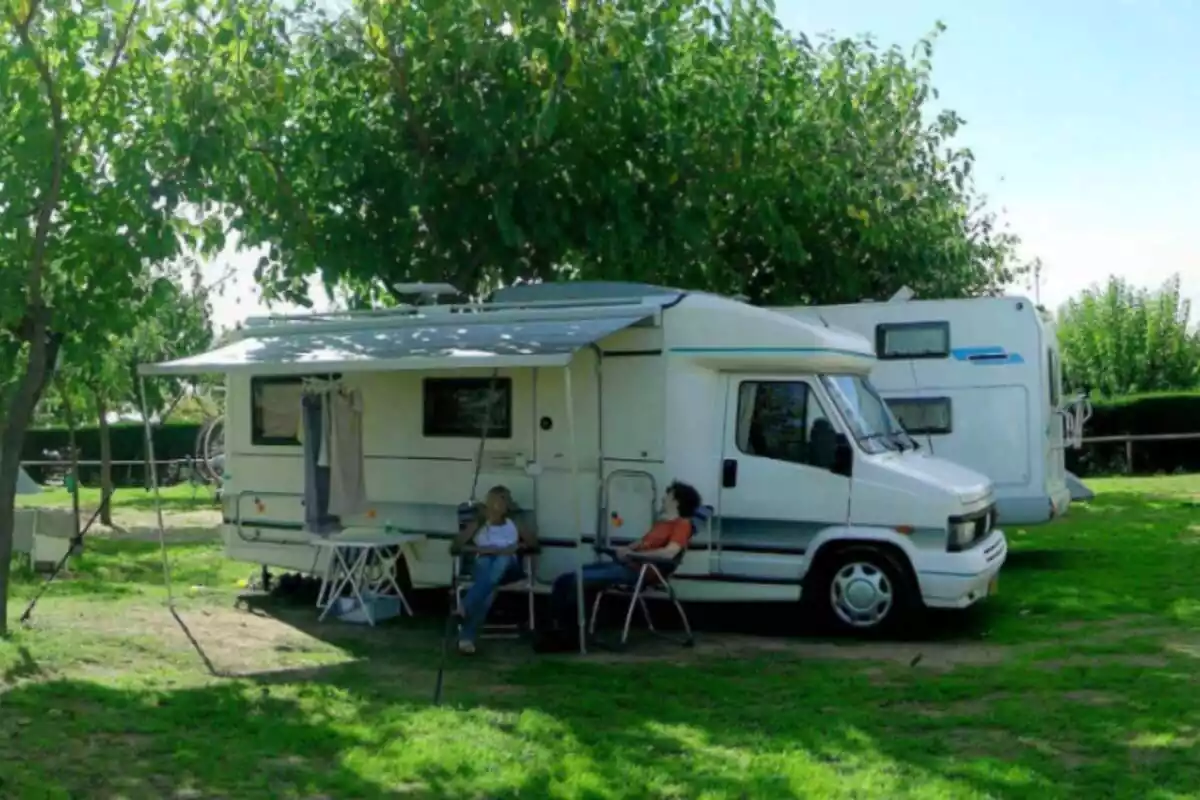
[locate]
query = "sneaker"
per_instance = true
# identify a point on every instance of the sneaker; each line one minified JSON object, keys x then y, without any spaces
{"x":465,"y":647}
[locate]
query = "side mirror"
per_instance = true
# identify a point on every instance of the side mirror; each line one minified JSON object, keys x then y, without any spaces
{"x":843,"y":457}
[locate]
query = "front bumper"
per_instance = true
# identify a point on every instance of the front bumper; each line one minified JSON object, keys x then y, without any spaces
{"x":959,"y":580}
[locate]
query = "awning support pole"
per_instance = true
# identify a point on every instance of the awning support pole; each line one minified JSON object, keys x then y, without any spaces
{"x":162,"y":528}
{"x":574,"y":455}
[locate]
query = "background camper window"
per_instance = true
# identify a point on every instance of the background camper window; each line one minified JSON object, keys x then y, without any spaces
{"x":912,"y":340}
{"x":457,"y":407}
{"x":275,"y":414}
{"x":783,"y":421}
{"x":923,"y":415}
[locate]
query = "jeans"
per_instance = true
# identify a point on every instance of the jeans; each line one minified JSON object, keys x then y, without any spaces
{"x":562,"y":594}
{"x":487,"y":573}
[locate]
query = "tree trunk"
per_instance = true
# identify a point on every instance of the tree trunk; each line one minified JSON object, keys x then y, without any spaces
{"x":106,"y":478}
{"x":43,"y":352}
{"x":73,"y":450}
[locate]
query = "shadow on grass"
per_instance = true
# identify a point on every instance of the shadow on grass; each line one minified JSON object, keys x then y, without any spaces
{"x":87,"y":740}
{"x":519,"y":725}
{"x":24,"y":668}
{"x":1022,"y":560}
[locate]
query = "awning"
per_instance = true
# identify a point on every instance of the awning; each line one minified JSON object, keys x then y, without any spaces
{"x":454,"y":344}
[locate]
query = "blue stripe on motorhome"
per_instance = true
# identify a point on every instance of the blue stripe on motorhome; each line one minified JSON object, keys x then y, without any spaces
{"x":770,"y":350}
{"x":780,"y":536}
{"x":986,"y":355}
{"x":725,"y":577}
{"x":737,"y":535}
{"x":747,"y":535}
{"x":268,"y":524}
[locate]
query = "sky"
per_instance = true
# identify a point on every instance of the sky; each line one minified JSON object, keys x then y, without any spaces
{"x":1084,"y":117}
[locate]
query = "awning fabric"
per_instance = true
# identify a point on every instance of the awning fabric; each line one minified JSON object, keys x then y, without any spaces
{"x":453,"y":344}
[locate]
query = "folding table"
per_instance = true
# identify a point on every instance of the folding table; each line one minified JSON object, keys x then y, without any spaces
{"x":352,"y":553}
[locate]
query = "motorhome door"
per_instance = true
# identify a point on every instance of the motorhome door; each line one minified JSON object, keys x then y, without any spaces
{"x":778,"y":489}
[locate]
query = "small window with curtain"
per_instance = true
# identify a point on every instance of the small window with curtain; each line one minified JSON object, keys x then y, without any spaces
{"x":923,"y":416}
{"x":275,"y":413}
{"x":900,"y":340}
{"x":461,"y":407}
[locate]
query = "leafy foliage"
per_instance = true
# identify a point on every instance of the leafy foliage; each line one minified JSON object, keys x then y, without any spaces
{"x":1120,"y":340}
{"x":105,"y":120}
{"x":682,"y":142}
{"x":174,"y":320}
{"x":93,"y":381}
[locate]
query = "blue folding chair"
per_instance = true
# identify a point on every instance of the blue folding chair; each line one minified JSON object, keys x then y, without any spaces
{"x":653,"y":582}
{"x":521,"y":578}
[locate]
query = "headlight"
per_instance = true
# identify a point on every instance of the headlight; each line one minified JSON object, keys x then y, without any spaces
{"x":962,"y":533}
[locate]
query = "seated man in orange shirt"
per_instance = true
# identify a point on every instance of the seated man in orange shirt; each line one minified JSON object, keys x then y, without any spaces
{"x":668,"y":536}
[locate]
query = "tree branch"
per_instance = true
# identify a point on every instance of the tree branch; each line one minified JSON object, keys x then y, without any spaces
{"x":23,"y":27}
{"x":50,"y":201}
{"x":122,"y":43}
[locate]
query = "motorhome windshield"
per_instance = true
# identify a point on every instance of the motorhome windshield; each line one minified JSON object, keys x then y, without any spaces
{"x":869,"y":418}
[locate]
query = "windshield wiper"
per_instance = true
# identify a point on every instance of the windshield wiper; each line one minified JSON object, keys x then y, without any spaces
{"x":883,"y":436}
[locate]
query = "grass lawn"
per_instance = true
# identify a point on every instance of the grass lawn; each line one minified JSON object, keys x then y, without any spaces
{"x":1079,"y":680}
{"x":181,"y":497}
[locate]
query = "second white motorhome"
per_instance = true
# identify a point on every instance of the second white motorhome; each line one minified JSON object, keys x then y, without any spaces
{"x":592,"y":398}
{"x":977,"y":381}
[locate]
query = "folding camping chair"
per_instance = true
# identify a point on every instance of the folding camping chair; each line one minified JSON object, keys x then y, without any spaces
{"x":520,"y":579}
{"x":653,"y":582}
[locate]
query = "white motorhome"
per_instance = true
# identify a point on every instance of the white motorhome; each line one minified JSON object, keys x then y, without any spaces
{"x":977,"y":381}
{"x":603,"y":394}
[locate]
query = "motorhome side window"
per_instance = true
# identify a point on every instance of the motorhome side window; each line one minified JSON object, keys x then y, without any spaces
{"x":459,"y":407}
{"x":912,"y":340}
{"x":275,"y":413}
{"x":782,"y":420}
{"x":922,"y":416}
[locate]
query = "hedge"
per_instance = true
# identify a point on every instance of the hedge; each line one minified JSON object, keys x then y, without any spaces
{"x":1141,"y":415}
{"x":171,"y":441}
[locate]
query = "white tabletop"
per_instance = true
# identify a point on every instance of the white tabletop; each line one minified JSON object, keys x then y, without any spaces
{"x":367,"y":537}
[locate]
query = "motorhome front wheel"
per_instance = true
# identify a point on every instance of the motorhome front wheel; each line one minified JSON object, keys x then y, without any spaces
{"x":861,"y":590}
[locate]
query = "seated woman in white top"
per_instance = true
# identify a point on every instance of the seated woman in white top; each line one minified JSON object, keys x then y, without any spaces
{"x":496,"y":538}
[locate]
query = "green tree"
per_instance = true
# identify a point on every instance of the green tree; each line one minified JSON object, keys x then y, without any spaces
{"x":106,"y":112}
{"x":175,"y":321}
{"x":689,"y":143}
{"x":1119,"y":339}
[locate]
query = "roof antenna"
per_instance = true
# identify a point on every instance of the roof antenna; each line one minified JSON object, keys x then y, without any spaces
{"x":427,"y":292}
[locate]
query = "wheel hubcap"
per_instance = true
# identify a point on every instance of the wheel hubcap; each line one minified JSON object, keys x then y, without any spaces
{"x":861,"y":595}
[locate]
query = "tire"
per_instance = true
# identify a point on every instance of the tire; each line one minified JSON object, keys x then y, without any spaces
{"x":863,"y":591}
